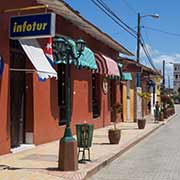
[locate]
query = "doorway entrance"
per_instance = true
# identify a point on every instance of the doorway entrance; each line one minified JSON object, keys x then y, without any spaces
{"x":21,"y":93}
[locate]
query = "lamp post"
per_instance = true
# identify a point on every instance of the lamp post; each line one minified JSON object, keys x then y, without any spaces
{"x":139,"y":37}
{"x":64,"y":51}
{"x":138,"y":74}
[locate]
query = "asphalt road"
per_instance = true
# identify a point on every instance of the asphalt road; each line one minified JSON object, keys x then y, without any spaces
{"x":155,"y":158}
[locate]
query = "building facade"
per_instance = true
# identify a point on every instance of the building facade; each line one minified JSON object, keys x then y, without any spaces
{"x":32,"y":112}
{"x":176,"y":81}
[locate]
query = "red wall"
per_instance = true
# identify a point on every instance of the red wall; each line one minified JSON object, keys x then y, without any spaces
{"x":4,"y":80}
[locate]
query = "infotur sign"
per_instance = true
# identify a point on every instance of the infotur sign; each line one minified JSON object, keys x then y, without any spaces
{"x":32,"y":26}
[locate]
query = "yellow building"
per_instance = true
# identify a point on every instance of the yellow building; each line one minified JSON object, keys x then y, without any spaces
{"x":128,"y":98}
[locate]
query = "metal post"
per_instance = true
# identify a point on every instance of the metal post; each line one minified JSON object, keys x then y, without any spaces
{"x":138,"y":73}
{"x":163,"y":75}
{"x":164,"y":87}
{"x":68,"y":145}
{"x":138,"y":51}
{"x":68,"y":134}
{"x":138,"y":37}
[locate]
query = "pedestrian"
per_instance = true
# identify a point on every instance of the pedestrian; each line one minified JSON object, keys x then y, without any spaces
{"x":157,"y":112}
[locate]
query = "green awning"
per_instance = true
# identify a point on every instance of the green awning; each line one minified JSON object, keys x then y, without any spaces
{"x":120,"y":65}
{"x":126,"y":76}
{"x":86,"y":60}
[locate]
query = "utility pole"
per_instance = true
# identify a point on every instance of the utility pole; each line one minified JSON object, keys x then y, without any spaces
{"x":138,"y":74}
{"x":163,"y":76}
{"x":138,"y":37}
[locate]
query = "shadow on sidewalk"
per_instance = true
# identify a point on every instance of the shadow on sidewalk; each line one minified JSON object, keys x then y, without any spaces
{"x":129,"y":128}
{"x":102,"y":144}
{"x":6,"y":167}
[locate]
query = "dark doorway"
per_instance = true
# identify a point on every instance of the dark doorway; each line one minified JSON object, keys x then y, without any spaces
{"x":112,"y":97}
{"x":17,"y":94}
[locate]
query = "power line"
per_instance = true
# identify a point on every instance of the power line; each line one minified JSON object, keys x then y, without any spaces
{"x":115,"y":15}
{"x":114,"y":19}
{"x":147,"y":53}
{"x":130,"y":7}
{"x":162,"y":31}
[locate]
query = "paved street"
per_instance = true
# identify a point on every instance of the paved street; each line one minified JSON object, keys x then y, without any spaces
{"x":155,"y":158}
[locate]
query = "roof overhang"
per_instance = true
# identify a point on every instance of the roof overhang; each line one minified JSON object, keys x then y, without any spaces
{"x":61,"y":8}
{"x":143,"y":67}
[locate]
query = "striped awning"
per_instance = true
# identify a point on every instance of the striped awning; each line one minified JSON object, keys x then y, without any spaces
{"x":106,"y":65}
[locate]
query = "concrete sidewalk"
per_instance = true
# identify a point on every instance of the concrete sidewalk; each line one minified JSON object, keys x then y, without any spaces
{"x":40,"y":163}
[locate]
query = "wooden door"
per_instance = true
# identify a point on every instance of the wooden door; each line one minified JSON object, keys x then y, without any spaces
{"x":17,"y":99}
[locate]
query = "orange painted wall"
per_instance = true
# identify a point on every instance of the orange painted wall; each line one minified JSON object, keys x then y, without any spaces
{"x":132,"y":105}
{"x":124,"y":103}
{"x":4,"y":90}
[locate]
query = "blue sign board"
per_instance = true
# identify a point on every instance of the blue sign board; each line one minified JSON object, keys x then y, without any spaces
{"x":32,"y":26}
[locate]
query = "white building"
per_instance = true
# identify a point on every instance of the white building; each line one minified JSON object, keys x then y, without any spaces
{"x":176,"y":81}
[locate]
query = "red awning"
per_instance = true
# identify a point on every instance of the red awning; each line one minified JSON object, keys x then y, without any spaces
{"x":106,"y":65}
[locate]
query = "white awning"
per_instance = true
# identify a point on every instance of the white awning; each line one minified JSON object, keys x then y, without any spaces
{"x":38,"y":58}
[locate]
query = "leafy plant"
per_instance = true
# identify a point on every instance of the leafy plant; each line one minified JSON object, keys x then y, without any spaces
{"x":146,"y":96}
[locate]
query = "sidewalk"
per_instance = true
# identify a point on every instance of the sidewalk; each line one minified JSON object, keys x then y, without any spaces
{"x":40,"y":163}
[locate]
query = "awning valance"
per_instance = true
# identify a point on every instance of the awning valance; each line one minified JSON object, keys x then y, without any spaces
{"x":36,"y":55}
{"x":86,"y":60}
{"x":106,"y":65}
{"x":126,"y":76}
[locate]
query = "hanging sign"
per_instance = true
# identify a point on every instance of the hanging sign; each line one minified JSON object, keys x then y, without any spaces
{"x":32,"y":26}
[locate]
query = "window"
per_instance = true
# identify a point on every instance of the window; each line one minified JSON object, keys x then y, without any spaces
{"x":95,"y":96}
{"x":62,"y":93}
{"x":176,"y":76}
{"x":175,"y":68}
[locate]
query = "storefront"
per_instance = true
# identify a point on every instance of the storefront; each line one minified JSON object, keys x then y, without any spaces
{"x":29,"y":95}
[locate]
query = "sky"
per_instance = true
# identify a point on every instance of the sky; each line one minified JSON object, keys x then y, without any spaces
{"x":161,"y":46}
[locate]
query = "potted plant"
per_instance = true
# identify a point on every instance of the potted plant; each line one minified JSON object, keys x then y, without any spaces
{"x":115,"y":133}
{"x":142,"y":122}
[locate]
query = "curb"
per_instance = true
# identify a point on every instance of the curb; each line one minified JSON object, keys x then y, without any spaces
{"x":125,"y":149}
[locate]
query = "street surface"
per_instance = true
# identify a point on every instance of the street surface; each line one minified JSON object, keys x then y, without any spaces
{"x":155,"y":158}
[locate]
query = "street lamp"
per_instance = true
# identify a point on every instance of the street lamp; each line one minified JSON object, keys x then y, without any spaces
{"x":156,"y":16}
{"x":64,"y":51}
{"x":138,"y":85}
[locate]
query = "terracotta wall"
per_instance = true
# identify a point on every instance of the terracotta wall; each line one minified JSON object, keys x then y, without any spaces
{"x":132,"y":104}
{"x":4,"y":79}
{"x":4,"y":90}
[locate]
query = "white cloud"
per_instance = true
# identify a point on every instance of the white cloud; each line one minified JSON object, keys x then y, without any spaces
{"x":158,"y":58}
{"x":152,"y":52}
